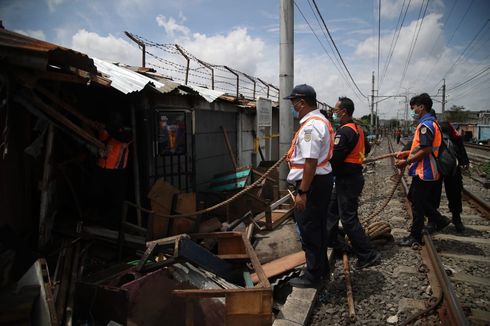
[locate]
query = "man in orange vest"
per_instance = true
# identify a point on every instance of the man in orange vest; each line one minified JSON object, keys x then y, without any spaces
{"x":111,"y":174}
{"x":310,"y":174}
{"x":421,"y":160}
{"x":348,"y":155}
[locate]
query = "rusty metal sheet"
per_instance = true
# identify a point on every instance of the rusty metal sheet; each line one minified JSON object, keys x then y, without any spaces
{"x":26,"y":50}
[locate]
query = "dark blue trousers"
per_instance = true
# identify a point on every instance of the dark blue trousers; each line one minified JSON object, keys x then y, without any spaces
{"x":344,"y":205}
{"x":312,"y":224}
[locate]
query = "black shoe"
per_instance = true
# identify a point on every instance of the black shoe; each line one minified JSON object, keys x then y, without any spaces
{"x":437,"y":226}
{"x":459,"y":227}
{"x":371,"y":261}
{"x":408,"y":241}
{"x":303,"y":282}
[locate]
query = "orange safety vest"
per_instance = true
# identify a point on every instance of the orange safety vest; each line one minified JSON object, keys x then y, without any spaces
{"x":292,"y":149}
{"x":116,"y":157}
{"x":426,"y":168}
{"x":357,"y":154}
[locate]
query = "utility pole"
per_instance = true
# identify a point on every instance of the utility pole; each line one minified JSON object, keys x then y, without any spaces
{"x":443,"y":99}
{"x":372,"y":102}
{"x":286,"y":79}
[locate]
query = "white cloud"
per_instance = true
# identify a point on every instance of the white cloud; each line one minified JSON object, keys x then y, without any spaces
{"x":109,"y":47}
{"x":171,"y":26}
{"x":237,"y":49}
{"x":52,"y":4}
{"x":39,"y":34}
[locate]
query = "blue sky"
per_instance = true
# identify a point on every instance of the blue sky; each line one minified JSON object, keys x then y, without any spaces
{"x":244,"y":35}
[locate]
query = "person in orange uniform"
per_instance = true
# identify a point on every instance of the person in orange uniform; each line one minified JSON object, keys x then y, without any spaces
{"x":421,"y":160}
{"x":111,"y":174}
{"x":348,"y":155}
{"x":310,"y":174}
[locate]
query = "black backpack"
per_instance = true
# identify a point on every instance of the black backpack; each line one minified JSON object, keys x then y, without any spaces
{"x":447,"y":161}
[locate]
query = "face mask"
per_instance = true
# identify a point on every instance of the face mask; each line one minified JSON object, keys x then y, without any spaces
{"x":414,"y":114}
{"x":335,"y":117}
{"x":294,"y":113}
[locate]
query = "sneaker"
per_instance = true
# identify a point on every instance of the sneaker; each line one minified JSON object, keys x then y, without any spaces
{"x":459,"y":227}
{"x":371,"y":261}
{"x":408,"y":241}
{"x":303,"y":282}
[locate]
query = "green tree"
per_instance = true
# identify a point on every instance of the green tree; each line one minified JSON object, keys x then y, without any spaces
{"x":457,"y":114}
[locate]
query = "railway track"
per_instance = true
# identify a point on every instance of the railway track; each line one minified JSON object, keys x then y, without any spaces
{"x":404,"y":285}
{"x":458,"y":267}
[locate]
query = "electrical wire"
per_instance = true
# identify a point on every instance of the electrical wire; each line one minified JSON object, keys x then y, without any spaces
{"x":415,"y":37}
{"x":470,"y":79}
{"x":394,"y":40}
{"x":341,"y":72}
{"x":336,"y":48}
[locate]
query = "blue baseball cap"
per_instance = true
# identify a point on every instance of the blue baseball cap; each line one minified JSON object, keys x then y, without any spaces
{"x":302,"y":90}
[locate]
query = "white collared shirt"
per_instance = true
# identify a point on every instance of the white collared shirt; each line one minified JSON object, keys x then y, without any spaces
{"x":313,"y":142}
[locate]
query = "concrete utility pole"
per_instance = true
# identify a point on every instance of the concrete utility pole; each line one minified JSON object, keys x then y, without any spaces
{"x":372,"y":102}
{"x":286,"y":79}
{"x":443,"y":99}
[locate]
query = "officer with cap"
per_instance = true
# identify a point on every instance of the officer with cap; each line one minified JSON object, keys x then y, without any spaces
{"x":350,"y":147}
{"x":421,"y":160}
{"x":310,"y":174}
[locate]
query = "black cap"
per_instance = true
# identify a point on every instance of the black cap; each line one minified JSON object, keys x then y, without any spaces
{"x":302,"y":90}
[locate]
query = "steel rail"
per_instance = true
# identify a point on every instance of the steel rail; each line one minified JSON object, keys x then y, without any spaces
{"x":453,"y":314}
{"x":479,"y":202}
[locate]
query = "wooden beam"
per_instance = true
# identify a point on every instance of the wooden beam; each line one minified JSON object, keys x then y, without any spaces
{"x":281,"y":265}
{"x":69,"y":108}
{"x":263,"y":280}
{"x":66,"y":122}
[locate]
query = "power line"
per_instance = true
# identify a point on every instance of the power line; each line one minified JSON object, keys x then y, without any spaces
{"x":470,"y":79}
{"x":414,"y":40}
{"x":452,"y":36}
{"x":338,"y":52}
{"x":395,"y":41}
{"x":466,"y":48}
{"x":336,"y":62}
{"x":321,"y":44}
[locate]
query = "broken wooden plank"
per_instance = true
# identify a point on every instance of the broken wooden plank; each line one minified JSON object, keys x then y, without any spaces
{"x":281,"y":265}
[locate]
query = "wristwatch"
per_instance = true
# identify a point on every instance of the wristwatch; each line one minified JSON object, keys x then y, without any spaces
{"x":301,"y":192}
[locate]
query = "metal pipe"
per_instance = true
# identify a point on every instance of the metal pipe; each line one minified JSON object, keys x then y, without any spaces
{"x":188,"y":62}
{"x":286,"y":80}
{"x":266,"y":85}
{"x":253,"y":81}
{"x":141,"y":44}
{"x":237,"y":81}
{"x":210,"y":68}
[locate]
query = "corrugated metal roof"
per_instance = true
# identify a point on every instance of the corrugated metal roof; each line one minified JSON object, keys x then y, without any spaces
{"x":14,"y":47}
{"x":128,"y":81}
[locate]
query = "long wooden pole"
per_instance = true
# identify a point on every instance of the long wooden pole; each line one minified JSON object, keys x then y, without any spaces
{"x":348,"y":286}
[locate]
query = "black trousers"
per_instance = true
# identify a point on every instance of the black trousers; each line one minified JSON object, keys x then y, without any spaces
{"x":425,"y":197}
{"x":344,"y":205}
{"x":312,"y":224}
{"x":453,"y":185}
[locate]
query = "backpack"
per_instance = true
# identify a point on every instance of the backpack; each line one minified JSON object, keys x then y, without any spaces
{"x":447,"y":161}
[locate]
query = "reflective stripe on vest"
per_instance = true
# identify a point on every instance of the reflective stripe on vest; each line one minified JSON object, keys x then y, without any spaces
{"x":292,"y":149}
{"x":357,"y":154}
{"x":426,"y":168}
{"x":117,"y":155}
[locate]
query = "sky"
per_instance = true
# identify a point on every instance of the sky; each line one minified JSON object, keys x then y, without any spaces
{"x":438,"y":39}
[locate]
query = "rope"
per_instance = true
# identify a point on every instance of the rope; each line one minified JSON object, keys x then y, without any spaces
{"x":232,"y":198}
{"x":256,"y":183}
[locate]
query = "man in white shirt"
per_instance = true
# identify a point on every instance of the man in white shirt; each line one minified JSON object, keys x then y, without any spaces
{"x":310,"y":174}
